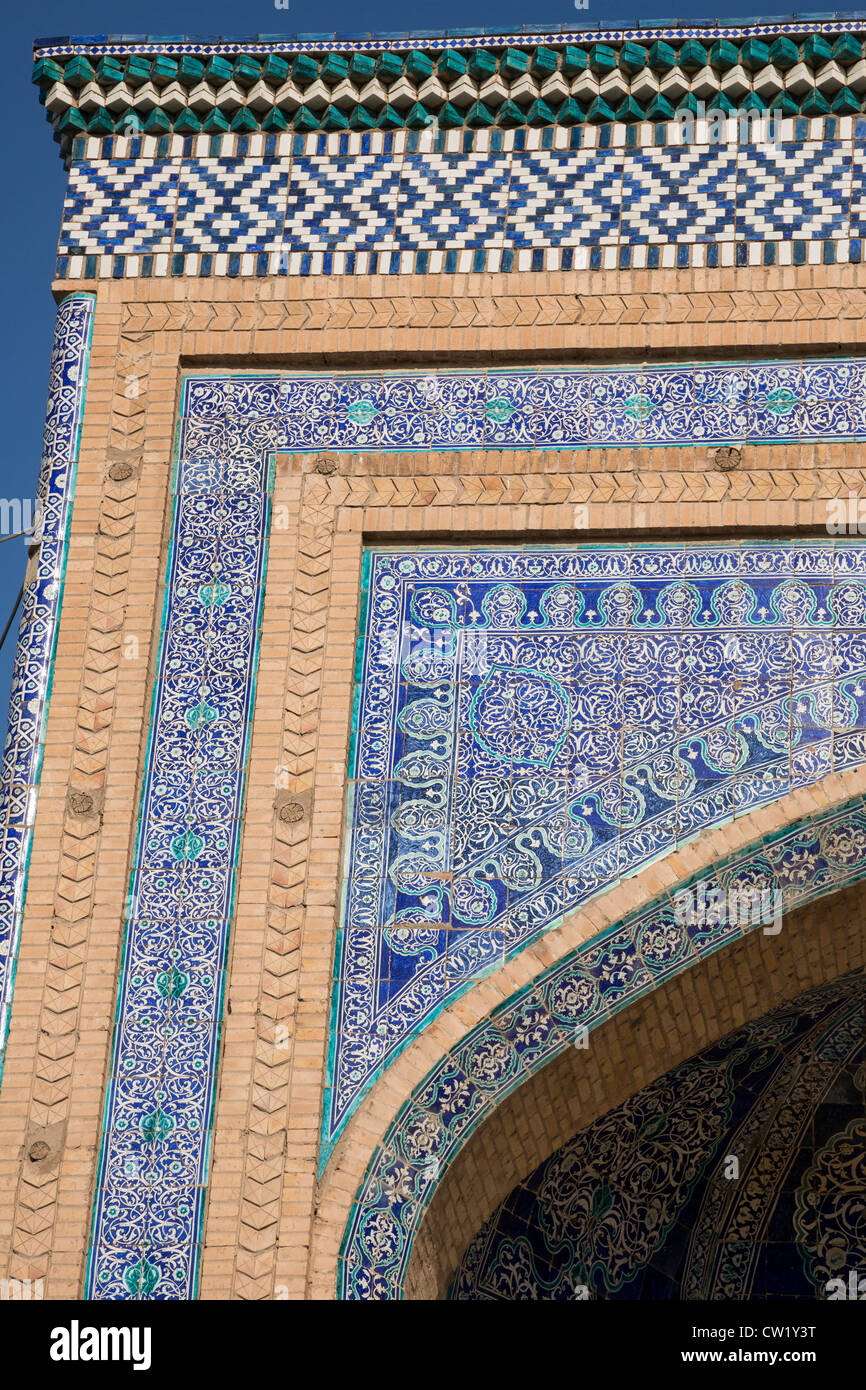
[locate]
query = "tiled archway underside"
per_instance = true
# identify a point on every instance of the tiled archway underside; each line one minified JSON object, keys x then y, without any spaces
{"x":783,"y":1095}
{"x":803,"y":863}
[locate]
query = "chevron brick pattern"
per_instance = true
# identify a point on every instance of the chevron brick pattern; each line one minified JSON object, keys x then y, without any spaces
{"x":508,"y":311}
{"x":273,"y":1164}
{"x":130,"y":400}
{"x":60,"y":1019}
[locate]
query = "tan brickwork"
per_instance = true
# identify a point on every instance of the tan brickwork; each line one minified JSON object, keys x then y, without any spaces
{"x":270,"y":1225}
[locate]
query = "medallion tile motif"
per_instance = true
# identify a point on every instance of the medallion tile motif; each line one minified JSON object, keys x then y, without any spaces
{"x":37,"y":632}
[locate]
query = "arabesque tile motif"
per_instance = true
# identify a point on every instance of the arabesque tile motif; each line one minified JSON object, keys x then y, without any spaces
{"x":159,"y":1107}
{"x":782,"y":1094}
{"x":533,"y":725}
{"x":511,"y":756}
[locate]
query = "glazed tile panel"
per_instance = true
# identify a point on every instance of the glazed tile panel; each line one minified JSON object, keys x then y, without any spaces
{"x":159,"y":1106}
{"x":524,"y":604}
{"x":800,"y":863}
{"x":37,"y":633}
{"x":533,"y":725}
{"x":550,"y":409}
{"x":297,"y":196}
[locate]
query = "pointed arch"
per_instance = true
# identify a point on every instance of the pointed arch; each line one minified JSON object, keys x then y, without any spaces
{"x":619,"y":950}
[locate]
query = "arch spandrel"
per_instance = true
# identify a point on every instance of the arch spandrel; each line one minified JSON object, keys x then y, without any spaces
{"x":537,"y":723}
{"x":540,"y":1021}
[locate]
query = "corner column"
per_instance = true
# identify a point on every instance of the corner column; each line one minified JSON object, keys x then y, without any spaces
{"x":37,"y":632}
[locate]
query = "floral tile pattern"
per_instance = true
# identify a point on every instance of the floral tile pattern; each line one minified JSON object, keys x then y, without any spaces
{"x":532,"y":725}
{"x":553,"y":1012}
{"x":159,"y":1108}
{"x":535,"y":724}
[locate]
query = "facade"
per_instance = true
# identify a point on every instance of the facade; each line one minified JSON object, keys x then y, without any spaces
{"x":433,"y":800}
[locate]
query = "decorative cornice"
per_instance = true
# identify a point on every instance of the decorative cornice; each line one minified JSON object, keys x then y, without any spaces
{"x":436,"y":40}
{"x":103,"y":86}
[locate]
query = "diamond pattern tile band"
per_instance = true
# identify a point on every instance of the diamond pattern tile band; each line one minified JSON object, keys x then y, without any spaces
{"x":364,"y":205}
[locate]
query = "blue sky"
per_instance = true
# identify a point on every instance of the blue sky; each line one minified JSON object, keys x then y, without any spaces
{"x":33,"y":177}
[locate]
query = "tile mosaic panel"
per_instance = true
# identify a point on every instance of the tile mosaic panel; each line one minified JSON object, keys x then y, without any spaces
{"x":573,"y":407}
{"x":800,"y":863}
{"x":240,"y":201}
{"x":545,"y":605}
{"x":534,"y":725}
{"x":288,"y":199}
{"x":37,"y":632}
{"x":159,"y":1106}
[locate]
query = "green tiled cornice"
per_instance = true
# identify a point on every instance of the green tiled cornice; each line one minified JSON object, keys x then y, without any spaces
{"x":478,"y":83}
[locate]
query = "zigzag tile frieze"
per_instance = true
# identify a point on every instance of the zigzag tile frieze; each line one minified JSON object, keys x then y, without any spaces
{"x":376,"y":95}
{"x":268,"y":1162}
{"x":283,"y":211}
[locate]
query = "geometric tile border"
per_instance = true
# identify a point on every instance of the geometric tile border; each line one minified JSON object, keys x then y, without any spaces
{"x":37,"y":631}
{"x":803,"y":862}
{"x":377,"y":204}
